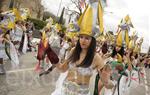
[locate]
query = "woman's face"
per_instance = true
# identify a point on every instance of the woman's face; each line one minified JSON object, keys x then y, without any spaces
{"x":19,"y":23}
{"x":118,"y":48}
{"x":85,"y":41}
{"x":129,"y":51}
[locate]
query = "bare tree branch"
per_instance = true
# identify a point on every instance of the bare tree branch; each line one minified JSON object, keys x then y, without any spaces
{"x":73,"y":11}
{"x":77,"y":4}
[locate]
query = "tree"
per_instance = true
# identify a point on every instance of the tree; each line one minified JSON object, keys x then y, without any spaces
{"x":18,"y":3}
{"x":15,"y":4}
{"x":11,"y":5}
{"x":78,"y":4}
{"x":47,"y":14}
{"x":1,"y":5}
{"x":38,"y":8}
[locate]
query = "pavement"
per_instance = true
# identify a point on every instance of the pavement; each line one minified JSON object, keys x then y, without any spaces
{"x":24,"y":80}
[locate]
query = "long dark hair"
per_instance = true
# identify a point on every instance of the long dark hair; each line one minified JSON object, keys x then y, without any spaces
{"x":104,"y":48}
{"x":89,"y":56}
{"x":7,"y":32}
{"x":121,"y":52}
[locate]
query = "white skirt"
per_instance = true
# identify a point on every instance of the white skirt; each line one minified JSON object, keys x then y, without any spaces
{"x":2,"y":50}
{"x":59,"y":84}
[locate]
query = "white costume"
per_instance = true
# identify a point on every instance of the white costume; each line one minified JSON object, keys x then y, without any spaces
{"x":2,"y":48}
{"x":63,"y":50}
{"x":18,"y":33}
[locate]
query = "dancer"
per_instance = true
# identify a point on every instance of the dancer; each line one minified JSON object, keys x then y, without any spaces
{"x":83,"y":63}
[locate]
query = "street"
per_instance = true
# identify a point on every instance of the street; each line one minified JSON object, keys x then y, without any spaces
{"x":25,"y":81}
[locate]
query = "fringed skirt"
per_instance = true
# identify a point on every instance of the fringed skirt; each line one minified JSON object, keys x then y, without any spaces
{"x":72,"y":88}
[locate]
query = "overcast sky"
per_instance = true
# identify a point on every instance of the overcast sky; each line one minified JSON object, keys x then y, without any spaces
{"x":137,"y":9}
{"x":53,"y":5}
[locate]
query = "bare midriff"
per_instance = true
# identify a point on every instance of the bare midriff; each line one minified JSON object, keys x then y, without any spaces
{"x":74,"y":76}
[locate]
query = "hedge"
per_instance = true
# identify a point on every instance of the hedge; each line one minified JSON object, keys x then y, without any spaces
{"x":39,"y":24}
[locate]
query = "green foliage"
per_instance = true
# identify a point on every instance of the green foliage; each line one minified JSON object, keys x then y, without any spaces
{"x":47,"y":14}
{"x":63,"y":28}
{"x":39,"y":24}
{"x":56,"y":19}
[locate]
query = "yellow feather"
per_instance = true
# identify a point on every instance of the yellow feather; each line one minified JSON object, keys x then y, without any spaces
{"x":119,"y":39}
{"x":100,"y":17}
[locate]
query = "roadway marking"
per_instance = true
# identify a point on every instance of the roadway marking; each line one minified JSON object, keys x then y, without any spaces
{"x":145,"y":81}
{"x":20,"y":70}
